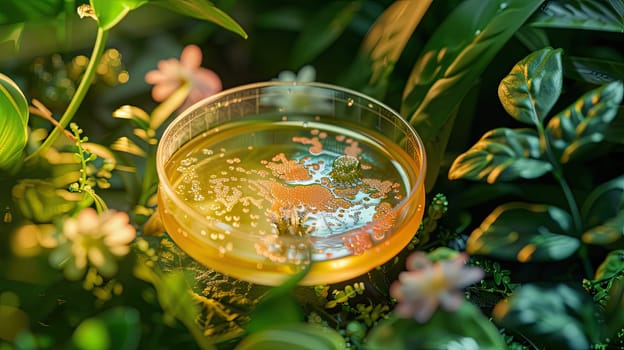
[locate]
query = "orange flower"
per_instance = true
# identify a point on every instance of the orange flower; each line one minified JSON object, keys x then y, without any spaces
{"x":173,"y":73}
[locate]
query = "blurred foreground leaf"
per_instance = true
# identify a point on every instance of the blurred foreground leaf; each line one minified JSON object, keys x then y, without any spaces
{"x":551,"y":317}
{"x":466,"y":328}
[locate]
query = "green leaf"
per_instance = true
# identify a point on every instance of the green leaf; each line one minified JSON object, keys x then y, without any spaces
{"x":502,"y":155}
{"x":204,"y":10}
{"x":583,"y":123}
{"x":455,"y":56}
{"x":12,"y":33}
{"x":388,"y":36}
{"x":17,"y":11}
{"x":279,"y":307}
{"x":592,"y":70}
{"x":525,"y":232}
{"x":604,"y":202}
{"x":465,"y":328}
{"x":615,"y":132}
{"x":609,"y":279}
{"x":13,"y":124}
{"x":41,"y":201}
{"x":322,"y":30}
{"x":612,"y":266}
{"x":533,"y":86}
{"x":533,"y":38}
{"x":109,"y":13}
{"x":550,"y":317}
{"x":299,"y":336}
{"x":579,"y":14}
{"x":114,"y":329}
{"x":175,"y":297}
{"x":611,"y":231}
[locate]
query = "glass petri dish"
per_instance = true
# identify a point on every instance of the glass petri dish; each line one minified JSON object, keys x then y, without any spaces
{"x":259,"y":181}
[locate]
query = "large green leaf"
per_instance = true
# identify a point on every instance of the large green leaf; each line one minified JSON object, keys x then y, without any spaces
{"x":204,"y":10}
{"x":533,"y":86}
{"x":533,"y":38}
{"x":502,"y":155}
{"x":322,"y":30}
{"x":550,"y":317}
{"x":109,"y":13}
{"x":604,"y":202}
{"x":383,"y":46}
{"x":525,"y":232}
{"x":465,"y":328}
{"x":580,"y":14}
{"x":17,"y":11}
{"x":615,"y":132}
{"x":388,"y":36}
{"x":457,"y":53}
{"x":583,"y":123}
{"x":593,"y":70}
{"x":13,"y":124}
{"x":608,"y":233}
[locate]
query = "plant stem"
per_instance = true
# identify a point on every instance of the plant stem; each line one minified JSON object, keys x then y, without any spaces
{"x":569,"y":196}
{"x":81,"y":92}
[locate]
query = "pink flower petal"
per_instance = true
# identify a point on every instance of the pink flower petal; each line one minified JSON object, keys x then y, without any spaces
{"x":191,"y":57}
{"x":205,"y":78}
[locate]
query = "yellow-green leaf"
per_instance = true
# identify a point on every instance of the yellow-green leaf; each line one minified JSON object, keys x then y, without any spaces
{"x":111,"y":12}
{"x":584,"y":123}
{"x":205,"y":10}
{"x":13,"y":123}
{"x":533,"y":86}
{"x":502,"y":154}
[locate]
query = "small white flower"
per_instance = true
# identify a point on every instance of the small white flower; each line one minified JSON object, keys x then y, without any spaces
{"x":427,"y":285}
{"x":92,"y":239}
{"x":291,"y":99}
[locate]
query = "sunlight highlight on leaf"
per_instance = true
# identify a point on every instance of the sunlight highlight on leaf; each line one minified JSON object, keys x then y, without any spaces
{"x":13,"y":123}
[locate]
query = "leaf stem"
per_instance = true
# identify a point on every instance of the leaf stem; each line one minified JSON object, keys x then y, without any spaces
{"x":81,"y":92}
{"x":569,"y":196}
{"x":563,"y":183}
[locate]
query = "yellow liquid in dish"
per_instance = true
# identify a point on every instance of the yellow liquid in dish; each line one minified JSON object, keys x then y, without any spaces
{"x":258,"y":201}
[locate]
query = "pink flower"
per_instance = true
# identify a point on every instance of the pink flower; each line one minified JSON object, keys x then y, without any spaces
{"x":427,"y":285}
{"x":172,"y":73}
